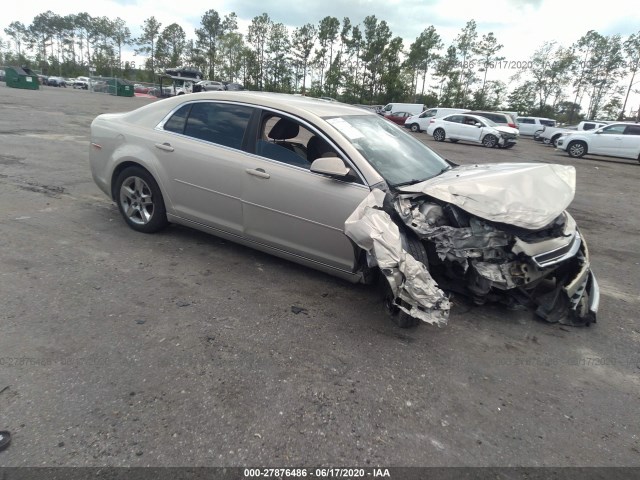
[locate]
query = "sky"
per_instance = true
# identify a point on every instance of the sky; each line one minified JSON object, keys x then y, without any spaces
{"x":520,"y":25}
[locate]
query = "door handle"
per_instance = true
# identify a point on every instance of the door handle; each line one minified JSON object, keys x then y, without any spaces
{"x":165,"y":146}
{"x":258,"y":172}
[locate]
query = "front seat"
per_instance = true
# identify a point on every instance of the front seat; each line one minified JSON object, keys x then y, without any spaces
{"x":317,"y":147}
{"x":284,"y":130}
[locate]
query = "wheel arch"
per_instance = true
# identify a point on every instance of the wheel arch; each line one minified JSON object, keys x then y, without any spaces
{"x":123,"y":166}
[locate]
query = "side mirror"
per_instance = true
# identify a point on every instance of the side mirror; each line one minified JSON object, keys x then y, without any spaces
{"x":478,"y":125}
{"x":331,"y":166}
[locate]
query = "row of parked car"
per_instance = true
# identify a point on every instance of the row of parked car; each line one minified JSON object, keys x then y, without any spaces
{"x":491,"y":129}
{"x":597,"y":137}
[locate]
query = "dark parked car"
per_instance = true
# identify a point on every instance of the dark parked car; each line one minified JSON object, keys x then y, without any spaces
{"x":398,"y":117}
{"x":56,"y":82}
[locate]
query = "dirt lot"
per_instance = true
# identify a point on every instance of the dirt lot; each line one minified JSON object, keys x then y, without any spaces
{"x":118,"y":348}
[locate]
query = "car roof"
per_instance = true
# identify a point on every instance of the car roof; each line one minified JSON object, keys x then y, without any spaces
{"x":296,"y":105}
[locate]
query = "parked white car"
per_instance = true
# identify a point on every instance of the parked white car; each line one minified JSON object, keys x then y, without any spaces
{"x":82,"y":83}
{"x":530,"y":125}
{"x":550,"y":135}
{"x":621,"y":139}
{"x":472,"y":128}
{"x":418,"y":123}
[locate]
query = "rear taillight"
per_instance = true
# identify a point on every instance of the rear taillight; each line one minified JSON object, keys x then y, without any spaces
{"x":512,"y":125}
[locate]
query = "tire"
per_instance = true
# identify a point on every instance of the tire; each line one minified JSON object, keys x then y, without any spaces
{"x":453,"y":140}
{"x":400,"y":318}
{"x":554,"y":140}
{"x":439,"y":135}
{"x":546,"y":141}
{"x":414,"y":127}
{"x":140,"y":201}
{"x":577,"y":149}
{"x":489,"y":141}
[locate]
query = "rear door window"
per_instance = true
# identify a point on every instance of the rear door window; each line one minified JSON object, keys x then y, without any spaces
{"x":613,"y":130}
{"x":220,"y":123}
{"x":632,"y":130}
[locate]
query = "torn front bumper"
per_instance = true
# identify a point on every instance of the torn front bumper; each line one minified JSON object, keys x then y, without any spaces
{"x":574,"y":301}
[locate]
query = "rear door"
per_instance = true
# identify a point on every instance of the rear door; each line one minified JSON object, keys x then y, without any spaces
{"x":452,"y":127}
{"x":288,"y":207}
{"x":467,"y":128}
{"x":199,"y":151}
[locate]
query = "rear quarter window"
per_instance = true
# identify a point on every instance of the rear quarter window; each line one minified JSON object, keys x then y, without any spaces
{"x":178,"y":120}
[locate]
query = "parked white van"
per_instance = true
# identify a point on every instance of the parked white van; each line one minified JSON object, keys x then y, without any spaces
{"x":530,"y":125}
{"x":414,"y":108}
{"x":418,"y":123}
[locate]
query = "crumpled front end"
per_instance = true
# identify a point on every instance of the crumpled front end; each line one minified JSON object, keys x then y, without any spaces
{"x":546,"y":268}
{"x":416,"y":292}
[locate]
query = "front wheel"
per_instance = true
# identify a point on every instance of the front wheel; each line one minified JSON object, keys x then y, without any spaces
{"x":140,"y":201}
{"x":577,"y":149}
{"x":398,"y":316}
{"x":439,"y":135}
{"x":414,"y":127}
{"x":554,"y":140}
{"x":489,"y":141}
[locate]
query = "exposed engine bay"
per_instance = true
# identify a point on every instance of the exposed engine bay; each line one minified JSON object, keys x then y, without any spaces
{"x":495,"y":233}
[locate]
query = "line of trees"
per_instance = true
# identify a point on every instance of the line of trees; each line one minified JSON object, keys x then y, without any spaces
{"x":356,"y":63}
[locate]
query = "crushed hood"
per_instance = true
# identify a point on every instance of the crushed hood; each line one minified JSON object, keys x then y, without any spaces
{"x":526,"y":195}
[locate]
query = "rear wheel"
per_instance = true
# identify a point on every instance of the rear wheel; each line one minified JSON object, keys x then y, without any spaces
{"x":414,"y":127}
{"x":439,"y":135}
{"x":140,"y":201}
{"x":554,"y":140}
{"x":577,"y":149}
{"x":489,"y":141}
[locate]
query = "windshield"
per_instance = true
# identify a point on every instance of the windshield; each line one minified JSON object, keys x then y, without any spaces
{"x":395,"y":154}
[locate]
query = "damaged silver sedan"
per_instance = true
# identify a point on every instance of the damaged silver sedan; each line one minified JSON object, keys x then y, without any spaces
{"x":346,"y":192}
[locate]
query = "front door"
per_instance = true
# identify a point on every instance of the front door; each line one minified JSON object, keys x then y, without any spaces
{"x":286,"y":206}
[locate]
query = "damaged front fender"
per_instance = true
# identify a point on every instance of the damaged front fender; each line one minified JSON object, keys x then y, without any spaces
{"x":373,"y":230}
